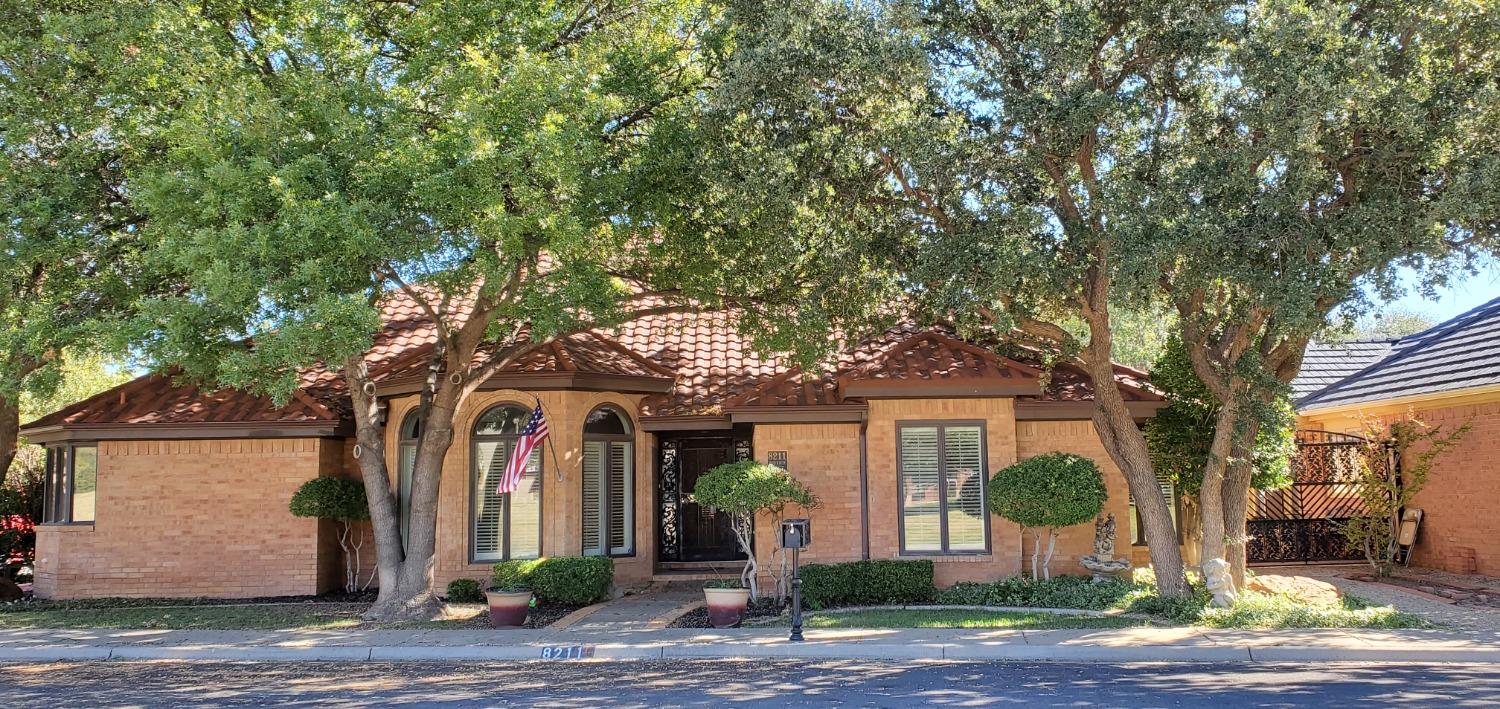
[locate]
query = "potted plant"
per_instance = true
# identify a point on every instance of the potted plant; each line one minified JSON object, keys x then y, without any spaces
{"x":726,"y":601}
{"x":743,"y":490}
{"x":509,"y":605}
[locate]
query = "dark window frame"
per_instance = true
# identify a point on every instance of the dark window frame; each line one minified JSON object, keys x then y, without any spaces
{"x":984,"y":484}
{"x":58,"y":484}
{"x":627,"y":437}
{"x":411,"y":421}
{"x":508,"y":441}
{"x":1137,"y":527}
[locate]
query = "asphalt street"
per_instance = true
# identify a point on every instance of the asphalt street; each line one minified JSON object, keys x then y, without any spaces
{"x":746,"y":683}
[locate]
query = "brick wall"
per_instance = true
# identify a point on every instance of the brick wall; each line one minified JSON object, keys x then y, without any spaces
{"x":562,"y":484}
{"x":193,"y":518}
{"x":1461,"y":502}
{"x":1034,"y":438}
{"x":825,"y":457}
{"x":1004,"y":557}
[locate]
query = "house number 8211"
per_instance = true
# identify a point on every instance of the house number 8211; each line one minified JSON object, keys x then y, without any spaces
{"x":567,"y":652}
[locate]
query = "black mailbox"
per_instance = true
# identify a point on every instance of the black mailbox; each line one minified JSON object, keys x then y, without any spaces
{"x":796,"y":533}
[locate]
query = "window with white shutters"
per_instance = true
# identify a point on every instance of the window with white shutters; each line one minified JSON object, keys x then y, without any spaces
{"x":504,"y":526}
{"x":608,"y":484}
{"x":942,"y":496}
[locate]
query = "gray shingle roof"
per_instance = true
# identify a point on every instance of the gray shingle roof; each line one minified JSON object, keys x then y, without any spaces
{"x":1326,"y":363}
{"x":1462,"y":353}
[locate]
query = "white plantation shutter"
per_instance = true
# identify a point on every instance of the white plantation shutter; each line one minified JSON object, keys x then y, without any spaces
{"x":963,"y":470}
{"x":489,"y":507}
{"x":942,"y":489}
{"x":921,"y":489}
{"x":593,"y":491}
{"x":621,"y":492}
{"x":526,"y":510}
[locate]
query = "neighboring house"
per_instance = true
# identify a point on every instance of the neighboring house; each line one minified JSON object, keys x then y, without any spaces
{"x":1447,"y":376}
{"x":163,"y":489}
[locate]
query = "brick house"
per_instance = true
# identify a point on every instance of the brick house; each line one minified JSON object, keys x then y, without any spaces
{"x":161,"y":489}
{"x":1447,"y":375}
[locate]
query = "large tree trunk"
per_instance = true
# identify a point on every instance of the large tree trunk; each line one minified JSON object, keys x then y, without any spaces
{"x":10,"y":425}
{"x":1211,"y":505}
{"x":1126,"y":445}
{"x":1237,"y":500}
{"x":385,"y":519}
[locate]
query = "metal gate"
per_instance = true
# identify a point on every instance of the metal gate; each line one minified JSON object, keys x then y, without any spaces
{"x":1301,"y":523}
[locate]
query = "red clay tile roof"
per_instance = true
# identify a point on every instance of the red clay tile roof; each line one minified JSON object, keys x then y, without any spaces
{"x":153,"y":399}
{"x":714,"y":367}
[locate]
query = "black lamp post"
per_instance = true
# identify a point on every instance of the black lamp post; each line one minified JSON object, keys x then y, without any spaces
{"x":796,"y":534}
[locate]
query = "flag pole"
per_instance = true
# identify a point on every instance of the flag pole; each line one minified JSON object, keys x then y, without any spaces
{"x":556,"y":464}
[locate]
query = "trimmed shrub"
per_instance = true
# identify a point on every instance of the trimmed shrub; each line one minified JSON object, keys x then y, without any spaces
{"x":464,"y":591}
{"x":743,"y":490}
{"x":342,"y":500}
{"x":1061,"y":592}
{"x":1047,"y":492}
{"x":561,"y":580}
{"x":331,"y":498}
{"x":868,"y":583}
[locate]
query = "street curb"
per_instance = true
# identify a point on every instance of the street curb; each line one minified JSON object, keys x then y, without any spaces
{"x":779,"y":650}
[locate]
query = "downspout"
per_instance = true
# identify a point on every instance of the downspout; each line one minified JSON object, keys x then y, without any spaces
{"x":864,"y":489}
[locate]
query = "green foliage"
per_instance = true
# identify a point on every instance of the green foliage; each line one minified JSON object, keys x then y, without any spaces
{"x":1417,"y":446}
{"x":331,"y":498}
{"x":1261,"y":611}
{"x":1180,"y":434}
{"x":1061,"y":592}
{"x":872,"y":582}
{"x":464,"y":591}
{"x":514,"y":575}
{"x":561,"y":580}
{"x":747,"y":488}
{"x":1051,"y":490}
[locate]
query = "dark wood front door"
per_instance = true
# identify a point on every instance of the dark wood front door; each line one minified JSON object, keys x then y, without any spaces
{"x":701,"y":534}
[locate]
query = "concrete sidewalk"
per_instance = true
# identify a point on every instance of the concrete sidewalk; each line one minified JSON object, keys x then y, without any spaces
{"x":1111,"y":645}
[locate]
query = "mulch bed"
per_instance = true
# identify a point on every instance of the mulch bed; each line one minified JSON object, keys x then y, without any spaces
{"x":1474,"y":596}
{"x":698,"y":617}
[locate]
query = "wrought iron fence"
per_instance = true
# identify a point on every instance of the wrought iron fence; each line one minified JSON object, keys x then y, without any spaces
{"x":1301,"y":523}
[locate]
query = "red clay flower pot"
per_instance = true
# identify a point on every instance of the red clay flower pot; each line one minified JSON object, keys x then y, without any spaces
{"x":508,"y":609}
{"x":726,"y":606}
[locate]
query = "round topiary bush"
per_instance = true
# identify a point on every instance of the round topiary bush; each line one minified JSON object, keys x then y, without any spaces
{"x":743,"y":490}
{"x":343,"y":500}
{"x":1045,"y":493}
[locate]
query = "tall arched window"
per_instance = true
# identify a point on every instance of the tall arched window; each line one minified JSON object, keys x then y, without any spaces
{"x":406,"y":463}
{"x":503,"y":526}
{"x":608,"y":484}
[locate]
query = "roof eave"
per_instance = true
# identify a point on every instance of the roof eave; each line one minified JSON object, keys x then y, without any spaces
{"x":186,"y":431}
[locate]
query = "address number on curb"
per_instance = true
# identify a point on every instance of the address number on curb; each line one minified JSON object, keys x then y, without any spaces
{"x":567,"y":652}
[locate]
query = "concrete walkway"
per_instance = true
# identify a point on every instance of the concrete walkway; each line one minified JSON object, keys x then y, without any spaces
{"x":638,"y":611}
{"x":1107,"y":645}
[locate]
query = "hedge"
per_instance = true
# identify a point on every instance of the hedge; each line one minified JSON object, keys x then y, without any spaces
{"x":862,"y":583}
{"x":563,"y":580}
{"x":464,"y":591}
{"x":1059,"y":592}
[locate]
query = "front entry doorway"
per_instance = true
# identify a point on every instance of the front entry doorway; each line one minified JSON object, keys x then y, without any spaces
{"x":689,"y":532}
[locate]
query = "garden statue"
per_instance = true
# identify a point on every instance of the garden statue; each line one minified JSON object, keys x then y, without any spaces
{"x":1103,"y":562}
{"x":1216,"y":578}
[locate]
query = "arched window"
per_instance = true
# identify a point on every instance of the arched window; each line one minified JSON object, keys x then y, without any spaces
{"x":503,"y":526}
{"x":406,"y":463}
{"x":608,"y":484}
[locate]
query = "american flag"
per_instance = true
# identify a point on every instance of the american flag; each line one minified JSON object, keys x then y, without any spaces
{"x":532,"y":435}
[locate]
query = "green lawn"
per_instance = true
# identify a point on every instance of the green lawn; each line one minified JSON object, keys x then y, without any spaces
{"x":277,"y":616}
{"x":949,"y":618}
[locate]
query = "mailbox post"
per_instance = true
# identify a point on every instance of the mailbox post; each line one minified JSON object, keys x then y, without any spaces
{"x":796,"y":534}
